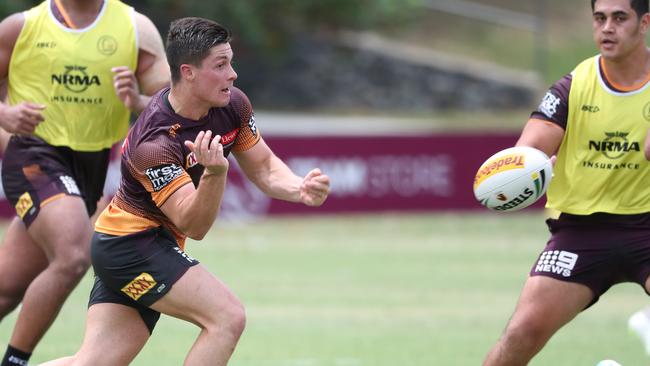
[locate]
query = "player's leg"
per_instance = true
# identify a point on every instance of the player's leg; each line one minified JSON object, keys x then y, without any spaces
{"x":21,"y":260}
{"x":201,"y":298}
{"x":62,"y":230}
{"x":545,"y":305}
{"x":115,"y":333}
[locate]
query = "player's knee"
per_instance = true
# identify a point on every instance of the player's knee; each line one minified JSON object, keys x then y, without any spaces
{"x":530,"y":334}
{"x":230,"y":318}
{"x":235,"y":319}
{"x":73,"y":266}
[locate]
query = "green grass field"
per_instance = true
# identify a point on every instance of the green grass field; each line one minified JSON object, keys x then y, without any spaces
{"x":390,"y":290}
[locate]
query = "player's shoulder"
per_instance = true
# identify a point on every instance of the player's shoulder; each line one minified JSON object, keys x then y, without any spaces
{"x":11,"y":26}
{"x":239,"y":100}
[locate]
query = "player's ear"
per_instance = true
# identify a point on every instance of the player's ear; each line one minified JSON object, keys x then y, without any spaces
{"x":187,"y":72}
{"x":645,"y":23}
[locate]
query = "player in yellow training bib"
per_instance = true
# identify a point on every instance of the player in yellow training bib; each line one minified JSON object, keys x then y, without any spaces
{"x":74,"y":71}
{"x":595,"y":121}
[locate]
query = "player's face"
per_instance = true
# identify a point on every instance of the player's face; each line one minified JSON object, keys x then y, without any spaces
{"x":617,"y":29}
{"x":216,"y":76}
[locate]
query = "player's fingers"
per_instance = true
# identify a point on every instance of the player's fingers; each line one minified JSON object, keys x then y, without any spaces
{"x":34,"y":106}
{"x":32,"y":116}
{"x":205,"y":143}
{"x":197,"y":143}
{"x":118,"y":69}
{"x":216,"y":149}
{"x":312,"y":173}
{"x":190,"y":145}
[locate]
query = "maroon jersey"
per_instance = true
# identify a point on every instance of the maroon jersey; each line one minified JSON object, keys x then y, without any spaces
{"x":156,"y":162}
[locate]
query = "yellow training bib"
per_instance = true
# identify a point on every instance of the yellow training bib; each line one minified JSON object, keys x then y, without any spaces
{"x":600,"y":165}
{"x":69,"y":71}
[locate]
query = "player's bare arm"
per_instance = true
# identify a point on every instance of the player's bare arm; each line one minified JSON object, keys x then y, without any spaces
{"x":273,"y":177}
{"x":542,"y":135}
{"x":193,"y":211}
{"x":152,"y":74}
{"x":24,"y":117}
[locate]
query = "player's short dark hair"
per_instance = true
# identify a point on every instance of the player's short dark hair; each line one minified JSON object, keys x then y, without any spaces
{"x":640,"y":6}
{"x":189,"y":41}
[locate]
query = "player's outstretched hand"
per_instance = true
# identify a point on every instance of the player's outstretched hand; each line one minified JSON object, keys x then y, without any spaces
{"x":314,"y":188}
{"x":209,"y":152}
{"x":22,"y":118}
{"x":126,"y":88}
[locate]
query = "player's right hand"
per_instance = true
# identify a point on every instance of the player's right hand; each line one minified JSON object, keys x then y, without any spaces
{"x":21,"y":119}
{"x":209,"y":152}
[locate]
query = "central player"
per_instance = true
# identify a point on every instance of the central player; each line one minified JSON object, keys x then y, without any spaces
{"x":174,"y":173}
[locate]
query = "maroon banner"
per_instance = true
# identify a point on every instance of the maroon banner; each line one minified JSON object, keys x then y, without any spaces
{"x":376,"y":173}
{"x":368,"y":173}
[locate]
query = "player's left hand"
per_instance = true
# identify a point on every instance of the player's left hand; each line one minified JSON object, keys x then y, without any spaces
{"x":126,"y":88}
{"x":314,"y":188}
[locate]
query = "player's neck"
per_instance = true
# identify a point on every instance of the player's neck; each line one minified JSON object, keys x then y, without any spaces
{"x":629,"y":71}
{"x":78,"y":13}
{"x":186,"y":105}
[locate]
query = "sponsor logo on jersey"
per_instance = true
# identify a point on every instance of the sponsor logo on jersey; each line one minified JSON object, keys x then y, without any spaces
{"x":500,"y":164}
{"x":139,"y":286}
{"x":173,"y":129}
{"x":45,"y":44}
{"x":557,"y":261}
{"x":190,"y":160}
{"x":107,"y":45}
{"x":229,"y":138}
{"x":251,"y":125}
{"x":646,"y":111}
{"x":75,"y":79}
{"x":615,"y":145}
{"x":160,"y":176}
{"x":590,"y":108}
{"x":549,"y":104}
{"x":24,"y":204}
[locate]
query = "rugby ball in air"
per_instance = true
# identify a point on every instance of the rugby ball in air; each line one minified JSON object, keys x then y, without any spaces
{"x":513,"y":178}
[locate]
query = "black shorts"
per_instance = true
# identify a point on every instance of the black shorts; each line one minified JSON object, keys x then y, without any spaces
{"x":34,"y":173}
{"x":598,"y":250}
{"x":137,"y":269}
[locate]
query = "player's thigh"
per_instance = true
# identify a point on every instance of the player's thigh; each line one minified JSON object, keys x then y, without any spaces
{"x":21,"y":260}
{"x":546,"y":304}
{"x":198,"y":297}
{"x":114,"y":335}
{"x":62,"y":228}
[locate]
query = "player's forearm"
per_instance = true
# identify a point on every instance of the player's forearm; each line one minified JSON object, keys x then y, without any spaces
{"x":278,"y":181}
{"x":143,"y":100}
{"x":199,"y":210}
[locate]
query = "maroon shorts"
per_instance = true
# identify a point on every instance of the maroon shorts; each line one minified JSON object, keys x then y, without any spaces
{"x":34,"y":173}
{"x":598,"y":250}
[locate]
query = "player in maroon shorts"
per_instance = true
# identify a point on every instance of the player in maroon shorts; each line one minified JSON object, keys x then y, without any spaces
{"x":72,"y":80}
{"x":595,"y":121}
{"x":174,"y":170}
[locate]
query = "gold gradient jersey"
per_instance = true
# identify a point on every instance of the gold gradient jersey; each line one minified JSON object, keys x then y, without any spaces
{"x":600,"y":165}
{"x":69,"y":71}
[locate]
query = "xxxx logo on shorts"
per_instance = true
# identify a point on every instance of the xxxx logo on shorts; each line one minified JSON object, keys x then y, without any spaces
{"x":139,"y":286}
{"x":24,"y":204}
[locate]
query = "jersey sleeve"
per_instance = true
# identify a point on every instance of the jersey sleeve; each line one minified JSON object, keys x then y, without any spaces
{"x":249,"y":134}
{"x":158,"y":167}
{"x":554,"y":106}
